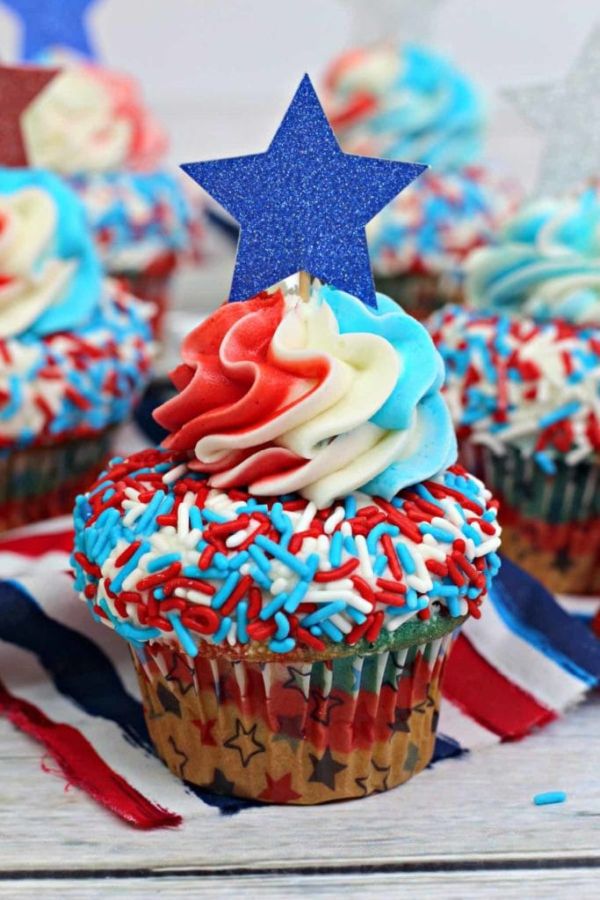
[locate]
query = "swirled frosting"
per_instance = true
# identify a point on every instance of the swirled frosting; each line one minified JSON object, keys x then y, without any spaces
{"x":404,"y":103}
{"x":514,"y":382}
{"x":546,"y":263}
{"x":50,"y":275}
{"x":319,"y":397}
{"x":92,"y":120}
{"x":442,"y":218}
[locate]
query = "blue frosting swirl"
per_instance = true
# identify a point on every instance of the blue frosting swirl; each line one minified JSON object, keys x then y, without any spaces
{"x":416,"y":403}
{"x":546,"y":263}
{"x":71,"y":241}
{"x":425,"y":110}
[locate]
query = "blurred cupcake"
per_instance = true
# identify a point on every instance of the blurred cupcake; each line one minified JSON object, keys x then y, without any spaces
{"x":75,"y":350}
{"x":290,"y":568}
{"x":413,"y":105}
{"x":91,"y":126}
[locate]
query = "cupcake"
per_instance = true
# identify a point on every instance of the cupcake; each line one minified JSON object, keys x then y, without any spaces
{"x":91,"y":127}
{"x":290,"y":566}
{"x":409,"y":103}
{"x":523,"y":385}
{"x":75,"y":350}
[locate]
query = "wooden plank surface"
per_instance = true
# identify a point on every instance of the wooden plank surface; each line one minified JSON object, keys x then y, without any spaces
{"x":462,"y":812}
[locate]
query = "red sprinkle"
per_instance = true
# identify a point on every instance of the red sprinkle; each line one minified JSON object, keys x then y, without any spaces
{"x":341,"y":572}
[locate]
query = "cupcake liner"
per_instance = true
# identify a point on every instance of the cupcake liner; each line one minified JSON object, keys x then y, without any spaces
{"x":420,"y":295}
{"x":300,"y":732}
{"x":42,"y":482}
{"x":153,"y":284}
{"x":550,"y":522}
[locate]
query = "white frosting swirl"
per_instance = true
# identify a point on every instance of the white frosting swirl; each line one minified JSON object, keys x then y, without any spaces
{"x":31,"y":277}
{"x":72,"y":127}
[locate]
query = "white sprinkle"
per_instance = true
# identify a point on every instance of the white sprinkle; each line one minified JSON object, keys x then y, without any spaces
{"x":334,"y":520}
{"x":343,"y":624}
{"x":173,"y":474}
{"x":306,"y":517}
{"x":231,"y":637}
{"x":183,"y":519}
{"x":364,"y":557}
{"x":194,"y":596}
{"x":279,"y":585}
{"x":237,"y":538}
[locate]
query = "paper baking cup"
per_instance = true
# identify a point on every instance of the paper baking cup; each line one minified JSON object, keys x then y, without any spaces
{"x":302,"y":732}
{"x":41,"y":482}
{"x":152,"y":284}
{"x":550,"y":523}
{"x":420,"y":295}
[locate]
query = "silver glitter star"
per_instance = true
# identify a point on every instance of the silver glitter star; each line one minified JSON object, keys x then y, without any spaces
{"x":567,"y":115}
{"x":385,"y":21}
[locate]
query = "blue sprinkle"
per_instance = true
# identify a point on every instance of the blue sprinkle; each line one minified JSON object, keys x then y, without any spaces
{"x":238,"y":560}
{"x":470,"y":532}
{"x":129,"y":566}
{"x":335,"y":549}
{"x":260,"y":578}
{"x":331,"y":631}
{"x":440,"y":534}
{"x":557,"y":415}
{"x":380,"y":564}
{"x":195,"y":518}
{"x":319,"y":615}
{"x":220,"y":561}
{"x":131,"y":633}
{"x":285,"y":646}
{"x":161,"y":562}
{"x":291,"y":561}
{"x":222,"y":631}
{"x":356,"y":614}
{"x":283,"y":626}
{"x":412,"y":600}
{"x":185,"y":638}
{"x":549,"y":797}
{"x":405,"y":558}
{"x":225,"y":590}
{"x":242,"y":622}
{"x":296,"y":596}
{"x":273,"y":606}
{"x":545,"y":462}
{"x":259,"y":558}
{"x":211,"y":516}
{"x":378,"y":532}
{"x":350,"y":545}
{"x":350,"y":506}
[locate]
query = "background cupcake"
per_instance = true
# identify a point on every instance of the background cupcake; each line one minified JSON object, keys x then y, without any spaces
{"x":523,"y":385}
{"x":91,"y":127}
{"x":75,"y":350}
{"x":302,"y":567}
{"x":409,"y":103}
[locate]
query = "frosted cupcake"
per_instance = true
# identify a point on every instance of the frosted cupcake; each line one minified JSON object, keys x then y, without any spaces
{"x":411,"y":104}
{"x":290,"y":567}
{"x":91,"y":127}
{"x":75,"y":350}
{"x":523,"y":385}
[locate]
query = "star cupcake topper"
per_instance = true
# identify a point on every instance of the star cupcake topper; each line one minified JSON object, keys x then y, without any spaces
{"x":303,"y":204}
{"x":19,"y":86}
{"x":567,"y":114}
{"x":51,"y":24}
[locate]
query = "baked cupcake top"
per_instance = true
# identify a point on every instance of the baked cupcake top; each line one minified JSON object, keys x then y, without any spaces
{"x":72,"y":351}
{"x":545,"y":262}
{"x":515,"y":382}
{"x":306,"y":498}
{"x":404,"y":103}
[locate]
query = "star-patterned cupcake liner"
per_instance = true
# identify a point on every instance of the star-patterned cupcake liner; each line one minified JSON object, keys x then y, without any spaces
{"x":294,"y":732}
{"x":41,"y":482}
{"x":550,"y":522}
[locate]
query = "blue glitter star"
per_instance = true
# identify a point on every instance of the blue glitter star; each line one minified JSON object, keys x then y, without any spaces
{"x":49,"y":24}
{"x":303,"y":205}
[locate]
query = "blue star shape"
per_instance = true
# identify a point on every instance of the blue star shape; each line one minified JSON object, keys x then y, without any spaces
{"x":52,"y":23}
{"x":304,"y":204}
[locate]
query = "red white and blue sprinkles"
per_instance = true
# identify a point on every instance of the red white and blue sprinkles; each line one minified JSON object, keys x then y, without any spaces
{"x":516,"y":382}
{"x":159,"y":555}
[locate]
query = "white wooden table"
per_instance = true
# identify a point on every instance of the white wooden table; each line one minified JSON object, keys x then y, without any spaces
{"x":466,"y":828}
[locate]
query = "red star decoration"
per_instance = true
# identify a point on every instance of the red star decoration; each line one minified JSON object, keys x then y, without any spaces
{"x":19,"y":86}
{"x":205,"y":729}
{"x":279,"y":790}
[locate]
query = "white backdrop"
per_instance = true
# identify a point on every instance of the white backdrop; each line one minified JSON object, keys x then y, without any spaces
{"x":220,"y":72}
